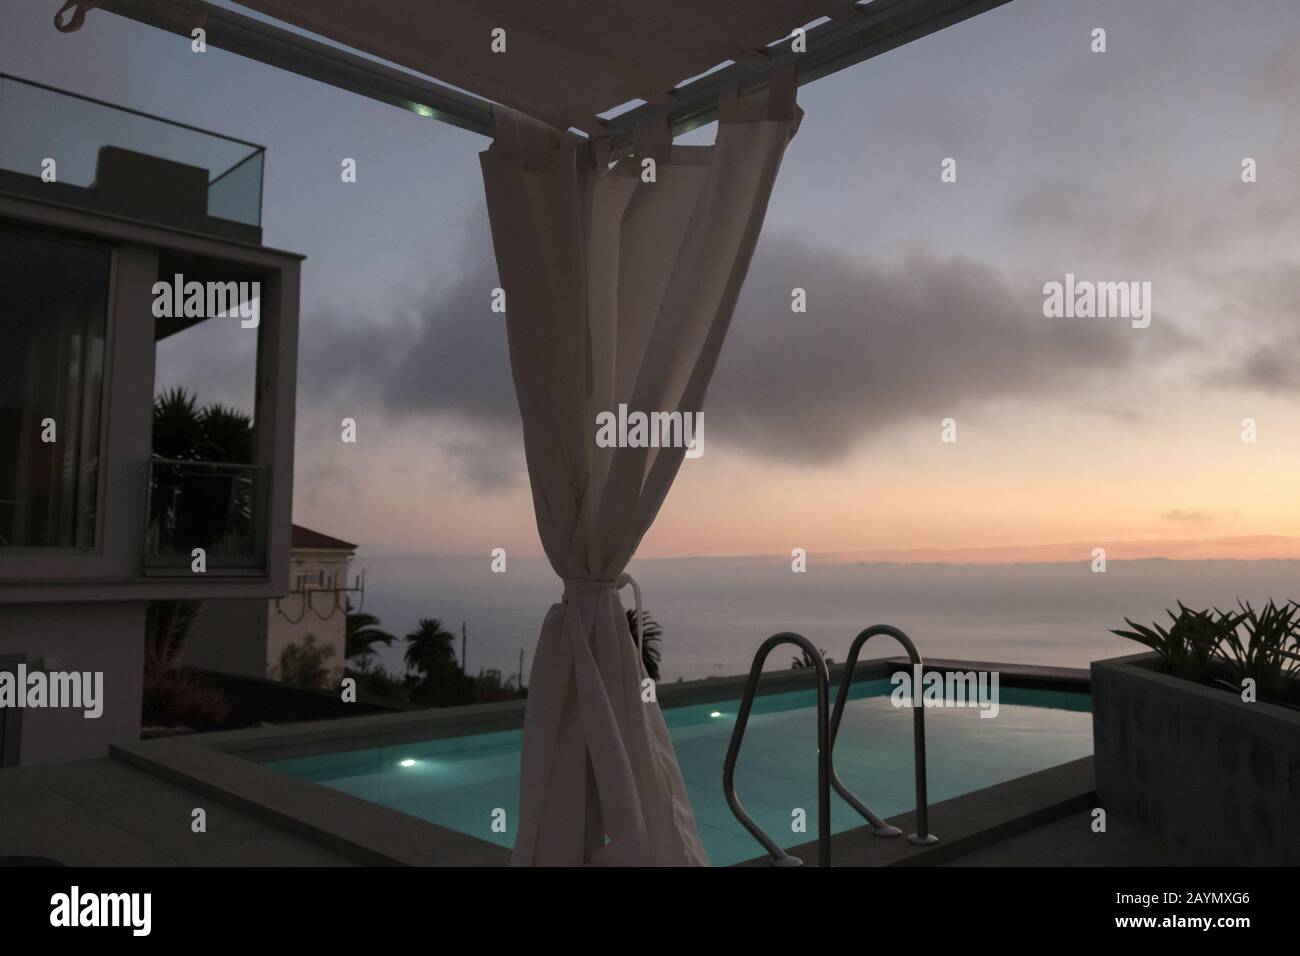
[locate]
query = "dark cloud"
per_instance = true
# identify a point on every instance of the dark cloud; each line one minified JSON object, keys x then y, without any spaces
{"x":880,"y":343}
{"x":1273,"y":368}
{"x":887,"y":342}
{"x":1277,"y":75}
{"x":441,"y":358}
{"x":1261,"y":312}
{"x":443,"y":353}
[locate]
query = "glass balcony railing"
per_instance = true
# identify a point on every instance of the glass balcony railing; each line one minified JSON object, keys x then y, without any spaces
{"x":136,"y":163}
{"x":220,"y":508}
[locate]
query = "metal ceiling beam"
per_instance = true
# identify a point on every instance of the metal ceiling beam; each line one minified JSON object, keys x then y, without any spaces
{"x":882,"y":25}
{"x":275,"y":46}
{"x":879,"y":26}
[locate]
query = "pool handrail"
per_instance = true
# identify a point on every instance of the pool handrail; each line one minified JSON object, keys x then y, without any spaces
{"x":922,"y":836}
{"x":825,"y":772}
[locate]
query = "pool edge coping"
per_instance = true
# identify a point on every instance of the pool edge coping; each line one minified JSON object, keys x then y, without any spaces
{"x":966,"y":822}
{"x":363,"y":831}
{"x":313,"y":738}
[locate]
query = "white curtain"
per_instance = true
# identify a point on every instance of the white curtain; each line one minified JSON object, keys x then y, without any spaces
{"x":617,"y":291}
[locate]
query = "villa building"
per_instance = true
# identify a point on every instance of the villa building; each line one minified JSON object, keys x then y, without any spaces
{"x":98,"y":206}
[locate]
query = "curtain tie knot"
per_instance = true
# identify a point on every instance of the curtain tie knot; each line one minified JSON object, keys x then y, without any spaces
{"x":576,"y":586}
{"x":588,"y":585}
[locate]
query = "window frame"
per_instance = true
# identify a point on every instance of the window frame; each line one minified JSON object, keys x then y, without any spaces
{"x":96,"y":547}
{"x":115,"y":571}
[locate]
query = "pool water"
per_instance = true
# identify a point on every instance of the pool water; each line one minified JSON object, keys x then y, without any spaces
{"x":459,"y":782}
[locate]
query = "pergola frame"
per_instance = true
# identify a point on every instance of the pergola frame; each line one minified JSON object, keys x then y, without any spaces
{"x":856,"y":32}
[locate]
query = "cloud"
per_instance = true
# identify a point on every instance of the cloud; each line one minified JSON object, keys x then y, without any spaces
{"x":1277,"y":75}
{"x":1261,"y":306}
{"x":885,"y":341}
{"x":1179,"y":516}
{"x":441,"y":358}
{"x":882,"y":342}
{"x":443,"y":352}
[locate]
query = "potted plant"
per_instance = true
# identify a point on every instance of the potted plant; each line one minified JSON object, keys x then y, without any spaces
{"x":1199,"y":740}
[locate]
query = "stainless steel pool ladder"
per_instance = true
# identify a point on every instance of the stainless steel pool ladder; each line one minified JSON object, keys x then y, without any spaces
{"x":824,"y":770}
{"x":880,"y":828}
{"x":826,"y":734}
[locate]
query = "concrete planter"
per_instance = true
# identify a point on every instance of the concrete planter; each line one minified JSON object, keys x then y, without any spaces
{"x":1207,"y":772}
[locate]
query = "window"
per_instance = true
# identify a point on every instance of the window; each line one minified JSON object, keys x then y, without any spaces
{"x":206,"y":489}
{"x":53,"y":315}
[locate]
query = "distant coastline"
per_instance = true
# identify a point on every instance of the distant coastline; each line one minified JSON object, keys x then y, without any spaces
{"x":1261,"y":547}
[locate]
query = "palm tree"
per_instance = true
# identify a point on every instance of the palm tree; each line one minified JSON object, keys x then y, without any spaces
{"x":168,"y":625}
{"x":430,"y":648}
{"x":217,"y":508}
{"x":227,"y":434}
{"x":184,"y":430}
{"x":651,"y":638}
{"x":177,"y":425}
{"x":363,"y":633}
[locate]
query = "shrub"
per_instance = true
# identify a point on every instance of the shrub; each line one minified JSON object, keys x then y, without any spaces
{"x":171,"y":699}
{"x":376,"y":683}
{"x":303,"y":665}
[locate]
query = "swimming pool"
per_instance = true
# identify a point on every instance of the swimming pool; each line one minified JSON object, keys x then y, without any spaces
{"x":461,"y":782}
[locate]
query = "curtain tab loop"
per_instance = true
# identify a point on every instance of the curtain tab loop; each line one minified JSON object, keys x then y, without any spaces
{"x":775,"y":101}
{"x":600,"y":150}
{"x":76,"y":18}
{"x":653,"y":139}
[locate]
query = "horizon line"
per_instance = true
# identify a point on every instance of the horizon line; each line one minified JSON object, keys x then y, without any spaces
{"x":1262,"y":547}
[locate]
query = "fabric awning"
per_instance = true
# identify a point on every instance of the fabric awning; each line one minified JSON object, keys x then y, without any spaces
{"x":566,"y":61}
{"x":602,"y":67}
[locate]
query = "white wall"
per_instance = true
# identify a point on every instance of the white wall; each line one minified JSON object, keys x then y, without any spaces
{"x":230,"y":636}
{"x":248,"y":636}
{"x":331,"y":631}
{"x":79,"y":637}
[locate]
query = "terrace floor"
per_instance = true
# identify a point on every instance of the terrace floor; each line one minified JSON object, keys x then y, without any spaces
{"x":1070,"y":841}
{"x":105,"y":813}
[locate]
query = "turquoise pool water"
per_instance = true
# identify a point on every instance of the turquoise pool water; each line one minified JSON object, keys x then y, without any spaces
{"x":458,"y":782}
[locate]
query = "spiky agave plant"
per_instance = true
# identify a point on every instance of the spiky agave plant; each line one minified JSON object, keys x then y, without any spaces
{"x":1269,"y":654}
{"x":1190,"y":641}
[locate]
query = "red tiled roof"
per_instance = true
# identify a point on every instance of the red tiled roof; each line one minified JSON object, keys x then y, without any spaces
{"x":310,"y":540}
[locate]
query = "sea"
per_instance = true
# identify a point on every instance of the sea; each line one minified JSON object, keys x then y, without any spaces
{"x":715,"y":612}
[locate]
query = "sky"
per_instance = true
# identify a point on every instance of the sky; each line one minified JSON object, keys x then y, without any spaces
{"x":924,"y":298}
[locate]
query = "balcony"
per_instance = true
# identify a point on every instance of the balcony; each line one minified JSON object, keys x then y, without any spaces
{"x":218,"y":507}
{"x":115,"y":160}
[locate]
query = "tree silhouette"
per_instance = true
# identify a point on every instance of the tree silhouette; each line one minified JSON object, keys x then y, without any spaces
{"x":651,"y":639}
{"x":363,"y":633}
{"x":430,"y":648}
